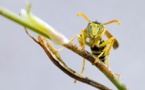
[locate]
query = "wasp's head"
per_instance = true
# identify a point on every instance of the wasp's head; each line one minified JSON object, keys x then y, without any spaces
{"x":94,"y":28}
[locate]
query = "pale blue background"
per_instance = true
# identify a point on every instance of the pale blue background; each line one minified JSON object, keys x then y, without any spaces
{"x":25,"y":66}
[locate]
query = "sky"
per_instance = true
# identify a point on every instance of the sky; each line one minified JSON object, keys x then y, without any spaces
{"x":25,"y":66}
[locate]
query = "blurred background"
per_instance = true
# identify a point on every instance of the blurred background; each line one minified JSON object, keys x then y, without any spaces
{"x":25,"y":66}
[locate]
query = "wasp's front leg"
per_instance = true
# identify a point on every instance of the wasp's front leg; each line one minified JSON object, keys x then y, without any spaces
{"x":96,"y":40}
{"x":98,"y":37}
{"x":82,"y":43}
{"x":81,"y":39}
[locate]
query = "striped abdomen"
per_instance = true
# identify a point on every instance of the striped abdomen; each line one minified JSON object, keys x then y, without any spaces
{"x":97,"y":51}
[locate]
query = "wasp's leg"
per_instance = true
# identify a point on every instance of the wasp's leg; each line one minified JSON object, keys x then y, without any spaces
{"x":97,"y":58}
{"x":95,"y":43}
{"x":83,"y":65}
{"x":108,"y":62}
{"x":83,"y":68}
{"x":107,"y":49}
{"x":110,"y":41}
{"x":98,"y":37}
{"x":82,"y":39}
{"x":82,"y":43}
{"x":108,"y":66}
{"x":96,"y":40}
{"x":72,"y":39}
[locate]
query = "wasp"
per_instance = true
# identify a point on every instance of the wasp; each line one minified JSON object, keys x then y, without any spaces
{"x":92,"y":37}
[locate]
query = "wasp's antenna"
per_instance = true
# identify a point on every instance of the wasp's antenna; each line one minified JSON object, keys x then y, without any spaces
{"x":83,"y":15}
{"x":112,"y":21}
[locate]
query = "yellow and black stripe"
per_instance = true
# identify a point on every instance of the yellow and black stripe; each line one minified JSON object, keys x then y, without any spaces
{"x":97,"y":51}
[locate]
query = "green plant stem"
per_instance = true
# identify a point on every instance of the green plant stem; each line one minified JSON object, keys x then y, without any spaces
{"x":20,"y":20}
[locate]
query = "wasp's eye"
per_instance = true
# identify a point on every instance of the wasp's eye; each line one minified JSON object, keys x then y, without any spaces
{"x":100,"y":28}
{"x":90,"y":27}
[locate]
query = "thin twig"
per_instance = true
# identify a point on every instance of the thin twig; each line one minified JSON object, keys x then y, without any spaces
{"x":56,"y":59}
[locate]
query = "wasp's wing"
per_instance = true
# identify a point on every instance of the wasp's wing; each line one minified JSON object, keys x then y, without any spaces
{"x":109,"y":35}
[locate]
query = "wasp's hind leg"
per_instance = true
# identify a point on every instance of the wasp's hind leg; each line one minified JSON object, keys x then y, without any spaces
{"x":108,"y":66}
